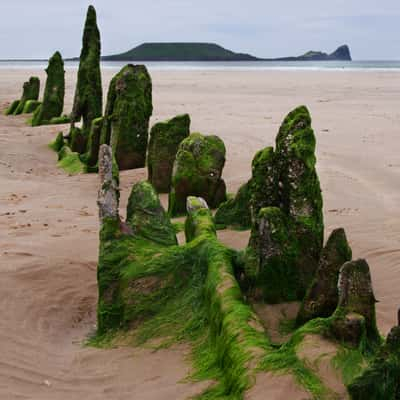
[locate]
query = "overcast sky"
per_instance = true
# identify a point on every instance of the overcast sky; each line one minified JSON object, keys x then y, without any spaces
{"x":265,"y":28}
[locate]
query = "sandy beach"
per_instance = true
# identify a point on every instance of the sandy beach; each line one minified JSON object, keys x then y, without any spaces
{"x":49,"y":223}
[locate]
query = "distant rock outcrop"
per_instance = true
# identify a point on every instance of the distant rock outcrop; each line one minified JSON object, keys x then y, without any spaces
{"x":179,"y":52}
{"x":342,"y":53}
{"x":212,"y":52}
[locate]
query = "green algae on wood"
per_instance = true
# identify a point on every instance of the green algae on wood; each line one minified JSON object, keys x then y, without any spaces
{"x":235,"y":211}
{"x":77,"y":140}
{"x":63,"y":119}
{"x":11,"y":109}
{"x":70,"y":161}
{"x":58,"y":143}
{"x":126,"y":119}
{"x":53,"y":98}
{"x":260,"y":191}
{"x":298,"y":183}
{"x":198,"y":172}
{"x":322,"y":296}
{"x":31,"y":106}
{"x":165,"y":138}
{"x":30,"y":92}
{"x":152,"y":286}
{"x":93,"y":145}
{"x":354,"y":319}
{"x":381,"y":380}
{"x":286,"y":185}
{"x":146,"y":216}
{"x":88,"y":97}
{"x":271,"y":270}
{"x":236,"y":335}
{"x":110,"y":307}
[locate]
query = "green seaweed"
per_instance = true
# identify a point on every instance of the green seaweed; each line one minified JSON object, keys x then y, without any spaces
{"x":70,"y":162}
{"x":381,"y":380}
{"x":58,"y":143}
{"x":350,"y":362}
{"x":31,"y":106}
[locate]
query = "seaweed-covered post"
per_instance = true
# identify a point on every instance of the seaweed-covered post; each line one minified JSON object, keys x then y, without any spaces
{"x":53,"y":100}
{"x":109,"y":309}
{"x":260,"y":191}
{"x":286,"y":214}
{"x":198,"y":172}
{"x":271,"y":272}
{"x":88,"y":93}
{"x":30,"y":92}
{"x":93,"y":145}
{"x":146,"y":217}
{"x":381,"y":379}
{"x":322,"y":296}
{"x":126,"y":119}
{"x":354,"y":317}
{"x":165,"y":138}
{"x":108,"y":193}
{"x":298,"y":185}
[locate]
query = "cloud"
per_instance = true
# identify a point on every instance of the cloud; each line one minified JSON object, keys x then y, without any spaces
{"x":35,"y":29}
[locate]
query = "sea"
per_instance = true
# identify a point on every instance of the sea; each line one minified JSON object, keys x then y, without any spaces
{"x":363,"y":65}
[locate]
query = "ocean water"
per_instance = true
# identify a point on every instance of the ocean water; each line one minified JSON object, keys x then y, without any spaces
{"x":233,"y":65}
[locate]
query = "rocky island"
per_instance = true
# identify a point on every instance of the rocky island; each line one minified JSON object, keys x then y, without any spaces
{"x":213,"y":52}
